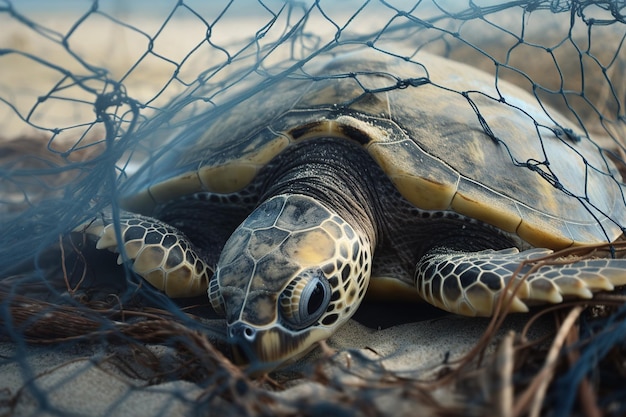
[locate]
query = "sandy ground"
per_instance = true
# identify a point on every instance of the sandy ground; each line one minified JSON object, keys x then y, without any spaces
{"x":88,"y":380}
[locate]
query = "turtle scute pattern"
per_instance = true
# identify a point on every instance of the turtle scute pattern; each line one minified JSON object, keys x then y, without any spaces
{"x":275,"y":251}
{"x":471,"y":283}
{"x":289,"y":275}
{"x":426,"y":137}
{"x":161,"y":254}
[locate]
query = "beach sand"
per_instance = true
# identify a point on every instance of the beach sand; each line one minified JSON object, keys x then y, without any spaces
{"x":94,"y":380}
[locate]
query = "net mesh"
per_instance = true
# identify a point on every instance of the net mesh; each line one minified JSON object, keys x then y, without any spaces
{"x":90,"y":91}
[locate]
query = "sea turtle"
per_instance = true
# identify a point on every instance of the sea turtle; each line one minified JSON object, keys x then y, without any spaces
{"x":369,"y":170}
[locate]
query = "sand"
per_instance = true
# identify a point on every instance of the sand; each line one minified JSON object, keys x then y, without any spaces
{"x":90,"y":380}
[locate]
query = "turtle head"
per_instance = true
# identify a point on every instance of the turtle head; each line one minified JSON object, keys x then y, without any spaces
{"x":288,"y":277}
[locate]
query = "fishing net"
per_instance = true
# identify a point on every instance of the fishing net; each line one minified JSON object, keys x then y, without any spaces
{"x":91,"y":90}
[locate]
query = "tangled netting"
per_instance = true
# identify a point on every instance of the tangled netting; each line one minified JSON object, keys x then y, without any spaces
{"x":90,"y":90}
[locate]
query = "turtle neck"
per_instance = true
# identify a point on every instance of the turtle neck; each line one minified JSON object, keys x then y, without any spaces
{"x":335,"y":172}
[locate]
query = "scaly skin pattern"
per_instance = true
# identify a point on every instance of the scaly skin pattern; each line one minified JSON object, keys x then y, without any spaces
{"x":288,"y":247}
{"x":470,"y":283}
{"x":161,"y":254}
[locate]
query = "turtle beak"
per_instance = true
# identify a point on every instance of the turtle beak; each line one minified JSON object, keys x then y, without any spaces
{"x":263,"y":350}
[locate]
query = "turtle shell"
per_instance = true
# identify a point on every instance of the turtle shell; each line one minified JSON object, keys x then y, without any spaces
{"x":438,"y":128}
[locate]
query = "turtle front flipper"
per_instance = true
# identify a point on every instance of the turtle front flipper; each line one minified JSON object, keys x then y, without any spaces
{"x":160,"y":253}
{"x":470,"y":283}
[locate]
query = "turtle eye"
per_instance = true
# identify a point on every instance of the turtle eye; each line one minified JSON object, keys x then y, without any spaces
{"x":305,"y":299}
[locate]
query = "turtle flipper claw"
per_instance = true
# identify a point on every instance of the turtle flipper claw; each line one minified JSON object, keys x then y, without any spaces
{"x":470,"y":283}
{"x":159,"y":253}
